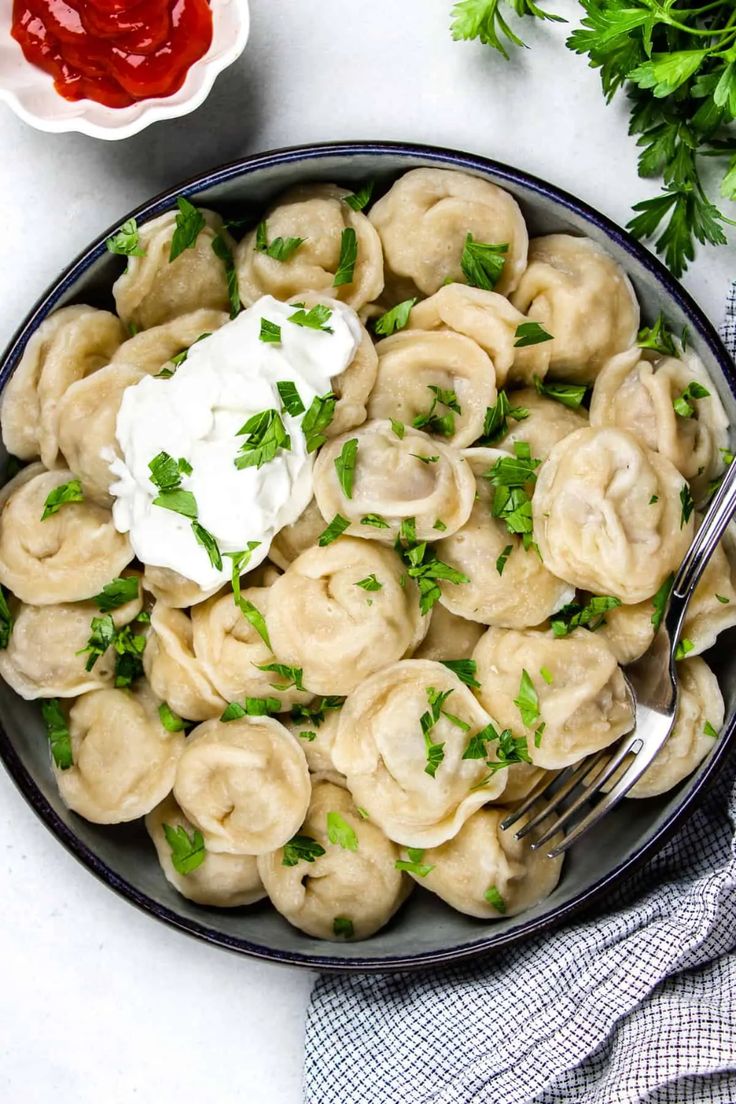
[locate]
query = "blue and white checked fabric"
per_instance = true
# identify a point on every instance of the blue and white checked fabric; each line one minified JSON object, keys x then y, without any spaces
{"x":634,"y":1003}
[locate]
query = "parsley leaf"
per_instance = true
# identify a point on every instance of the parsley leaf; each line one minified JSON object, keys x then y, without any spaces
{"x":270,"y":333}
{"x":510,"y":478}
{"x":316,"y":420}
{"x":658,"y":337}
{"x":414,"y":865}
{"x":187,"y":852}
{"x":129,"y":648}
{"x":301,"y":849}
{"x":280,"y":249}
{"x":687,"y":504}
{"x":684,"y":404}
{"x":348,"y":258}
{"x":343,"y":926}
{"x":189,"y":224}
{"x":240,"y":561}
{"x":359,"y":200}
{"x":171,"y":721}
{"x":102,"y":636}
{"x":683,"y":648}
{"x":57,"y":731}
{"x":291,"y":402}
{"x":395,"y":319}
{"x":483,"y":263}
{"x":223,"y":251}
{"x":126,"y":241}
{"x":265,"y":437}
{"x":208,"y":542}
{"x":253,"y":707}
{"x":531,"y":333}
{"x":496,"y":420}
{"x":591,"y":615}
{"x":424,"y":566}
{"x":345,"y":466}
{"x":501,"y":561}
{"x":442,"y":424}
{"x":6,"y":620}
{"x":315,"y":712}
{"x":291,"y":675}
{"x":484,"y":20}
{"x":465,"y":669}
{"x":335,"y":529}
{"x":569,"y":394}
{"x":375,"y":520}
{"x":256,"y":618}
{"x":117,"y":593}
{"x":61,"y":496}
{"x":528,"y":701}
{"x":660,"y":599}
{"x":341,"y":833}
{"x":370,"y":583}
{"x":314,"y":319}
{"x":398,"y":429}
{"x":709,"y":730}
{"x":494,"y":898}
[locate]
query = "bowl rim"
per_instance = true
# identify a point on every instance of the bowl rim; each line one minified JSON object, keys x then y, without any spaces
{"x":151,"y":110}
{"x":441,"y":157}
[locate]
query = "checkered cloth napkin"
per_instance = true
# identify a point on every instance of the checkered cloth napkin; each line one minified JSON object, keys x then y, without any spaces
{"x":635,"y":1002}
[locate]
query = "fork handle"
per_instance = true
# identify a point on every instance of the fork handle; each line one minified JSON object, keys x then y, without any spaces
{"x":714,"y":524}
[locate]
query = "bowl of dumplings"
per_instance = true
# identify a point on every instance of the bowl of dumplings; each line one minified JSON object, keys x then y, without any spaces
{"x":287,"y":712}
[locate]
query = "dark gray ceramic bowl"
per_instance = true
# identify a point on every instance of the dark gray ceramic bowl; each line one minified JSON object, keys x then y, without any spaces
{"x":425,"y":931}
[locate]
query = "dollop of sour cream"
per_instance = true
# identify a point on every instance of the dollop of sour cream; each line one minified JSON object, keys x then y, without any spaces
{"x":196,"y":415}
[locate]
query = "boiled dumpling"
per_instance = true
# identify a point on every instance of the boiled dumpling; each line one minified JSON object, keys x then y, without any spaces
{"x":87,"y":416}
{"x":488,"y":873}
{"x":441,"y":376}
{"x":581,"y":296}
{"x":66,"y":558}
{"x":609,"y":515}
{"x":174,"y":589}
{"x":448,"y":636}
{"x":418,"y":796}
{"x":151,"y":350}
{"x":43,"y":660}
{"x":390,"y":482}
{"x":244,"y":784}
{"x":124,"y":760}
{"x":336,"y":632}
{"x":349,"y":890}
{"x":175,"y":673}
{"x":296,"y":538}
{"x":546,"y":423}
{"x":424,"y":221}
{"x":230,"y":649}
{"x":523,"y":592}
{"x":318,"y":214}
{"x":700,"y":714}
{"x":522,"y":778}
{"x":638,"y":394}
{"x":153,"y":289}
{"x":68,"y":346}
{"x":491,"y":321}
{"x":221,"y":880}
{"x":573,"y":697}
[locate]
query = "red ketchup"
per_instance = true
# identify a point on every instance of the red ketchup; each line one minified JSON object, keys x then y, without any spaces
{"x":113,"y":51}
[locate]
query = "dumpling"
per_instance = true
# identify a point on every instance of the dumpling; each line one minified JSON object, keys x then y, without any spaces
{"x":425,"y":218}
{"x":609,"y":515}
{"x":491,"y":321}
{"x":87,"y":416}
{"x":124,"y":760}
{"x":488,"y":873}
{"x":151,"y":350}
{"x":392,"y":483}
{"x":638,"y":394}
{"x":66,"y":558}
{"x":174,"y":589}
{"x":581,"y":296}
{"x":402,"y":752}
{"x":43,"y":660}
{"x":448,"y":636}
{"x":175,"y":673}
{"x":318,"y":214}
{"x":296,"y":538}
{"x":574,"y":698}
{"x":524,"y":592}
{"x":153,"y":290}
{"x":415,"y":372}
{"x":322,"y":621}
{"x":220,"y":881}
{"x":353,"y":386}
{"x":316,"y":732}
{"x":230,"y":649}
{"x":546,"y":423}
{"x":522,"y":778}
{"x":351,"y":888}
{"x":244,"y":784}
{"x":69,"y":345}
{"x":700,"y":714}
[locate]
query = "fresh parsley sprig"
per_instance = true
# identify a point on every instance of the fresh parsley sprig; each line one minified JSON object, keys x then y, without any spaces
{"x":485,"y":20}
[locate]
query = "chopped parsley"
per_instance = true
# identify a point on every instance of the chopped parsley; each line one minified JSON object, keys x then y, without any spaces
{"x":431,"y":421}
{"x":126,"y":241}
{"x":316,"y":420}
{"x":179,"y":359}
{"x":301,"y":849}
{"x":425,"y":459}
{"x":591,"y":615}
{"x":270,"y":333}
{"x":102,"y":636}
{"x":129,"y":648}
{"x":291,"y":675}
{"x":240,"y":561}
{"x":6,"y":620}
{"x":395,"y":319}
{"x":62,"y":496}
{"x":570,"y":395}
{"x":546,"y":675}
{"x":531,"y":333}
{"x":497,"y":416}
{"x":657,"y":337}
{"x":414,"y":865}
{"x":370,"y":583}
{"x":345,"y":466}
{"x":256,"y":618}
{"x":225,"y":254}
{"x":653,"y":499}
{"x":398,"y":429}
{"x":501,"y":561}
{"x":187,"y":852}
{"x":252,"y":707}
{"x":511,"y":749}
{"x":684,"y":648}
{"x":359,"y":200}
{"x":435,"y":751}
{"x":528,"y":701}
{"x":482,"y":263}
{"x":189,"y":224}
{"x":343,"y":926}
{"x":314,"y":319}
{"x":57,"y":731}
{"x":494,"y":898}
{"x":280,"y":249}
{"x":510,"y":477}
{"x":709,"y":730}
{"x":424,"y":566}
{"x":116,"y":594}
{"x":722,"y":599}
{"x":335,"y":529}
{"x":171,"y":721}
{"x":660,"y":599}
{"x":265,"y":437}
{"x":341,"y":833}
{"x":687,"y":504}
{"x":440,"y":526}
{"x":684,"y":404}
{"x":315,"y":713}
{"x":208,"y":542}
{"x":291,"y":400}
{"x":465,"y":669}
{"x":348,"y":258}
{"x":375,"y":520}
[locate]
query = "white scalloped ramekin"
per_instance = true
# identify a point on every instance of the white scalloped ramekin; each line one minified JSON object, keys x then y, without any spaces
{"x":31,"y":95}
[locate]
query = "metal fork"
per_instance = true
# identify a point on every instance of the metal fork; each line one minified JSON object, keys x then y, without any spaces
{"x":653,"y":684}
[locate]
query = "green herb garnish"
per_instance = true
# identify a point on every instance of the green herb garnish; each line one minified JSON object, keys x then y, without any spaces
{"x":280,"y":249}
{"x":291,"y":402}
{"x":345,"y":466}
{"x":494,"y":898}
{"x":270,"y":332}
{"x":348,"y":258}
{"x":359,"y":200}
{"x":569,"y":394}
{"x":591,"y":615}
{"x":658,"y":338}
{"x":189,"y":224}
{"x":57,"y":731}
{"x":395,"y":319}
{"x":341,"y":833}
{"x":319,"y":415}
{"x":265,"y":436}
{"x":291,"y":675}
{"x":684,"y":404}
{"x":223,"y":251}
{"x":335,"y":529}
{"x":187,"y":852}
{"x":528,"y":701}
{"x":531,"y":333}
{"x":415,"y":864}
{"x":342,"y":926}
{"x":301,"y":849}
{"x":482,"y":263}
{"x":6,"y":621}
{"x":314,"y":319}
{"x":431,"y":421}
{"x":496,"y":420}
{"x":126,"y":241}
{"x":171,"y":721}
{"x":62,"y":496}
{"x":465,"y":669}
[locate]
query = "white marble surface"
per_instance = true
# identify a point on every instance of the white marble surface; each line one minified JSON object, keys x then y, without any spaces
{"x":98,"y":1002}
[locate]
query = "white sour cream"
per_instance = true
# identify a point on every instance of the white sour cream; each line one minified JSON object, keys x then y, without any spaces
{"x":196,"y":415}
